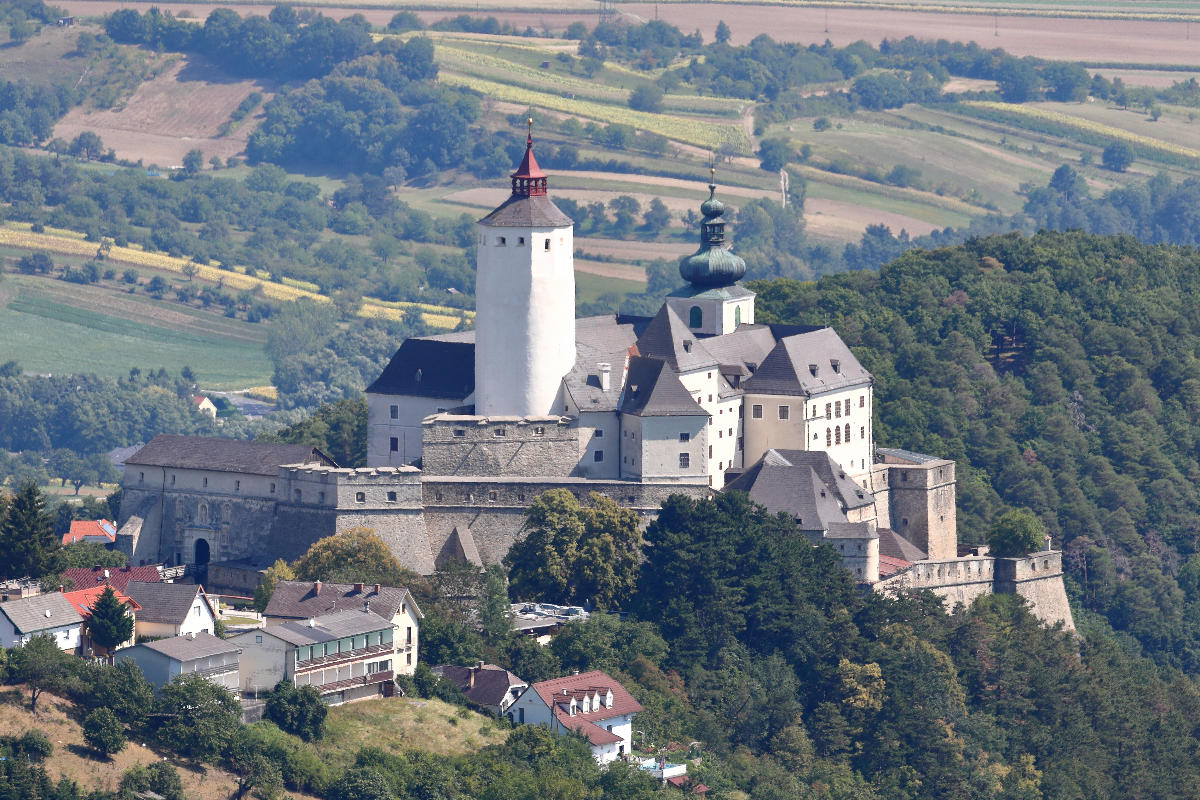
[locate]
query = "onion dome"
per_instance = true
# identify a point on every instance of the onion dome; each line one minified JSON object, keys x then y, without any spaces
{"x":713,"y":264}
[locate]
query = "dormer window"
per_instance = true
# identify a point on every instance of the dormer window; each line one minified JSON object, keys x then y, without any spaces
{"x":812,"y":370}
{"x":837,"y":365}
{"x":687,"y":345}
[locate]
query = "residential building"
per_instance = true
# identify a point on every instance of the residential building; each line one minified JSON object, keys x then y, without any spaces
{"x":303,"y":600}
{"x":46,"y":614}
{"x":116,"y":577}
{"x":201,"y":654}
{"x":171,"y":609}
{"x":83,"y":600}
{"x":591,"y":704}
{"x":346,"y":655}
{"x":95,"y":531}
{"x":204,"y":405}
{"x":486,"y":685}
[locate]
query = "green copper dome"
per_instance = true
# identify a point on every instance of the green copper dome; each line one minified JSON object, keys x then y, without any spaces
{"x":713,"y":264}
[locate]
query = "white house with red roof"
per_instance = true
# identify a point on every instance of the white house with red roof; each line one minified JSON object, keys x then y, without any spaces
{"x":591,"y":704}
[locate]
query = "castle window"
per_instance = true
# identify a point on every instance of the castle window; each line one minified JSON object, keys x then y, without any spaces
{"x":828,"y":411}
{"x":202,"y":513}
{"x":862,"y":401}
{"x":710,"y":398}
{"x":394,"y":444}
{"x":720,"y":434}
{"x":172,"y":480}
{"x":739,"y":443}
{"x":862,"y":431}
{"x":297,"y":496}
{"x":737,"y":316}
{"x":685,"y":460}
{"x":904,"y":475}
{"x":598,"y":433}
{"x":141,"y":477}
{"x":847,"y":433}
{"x":492,"y":496}
{"x":501,"y":241}
{"x":500,"y":432}
{"x":837,"y":409}
{"x":837,"y":365}
{"x":756,"y":411}
{"x":720,"y":465}
{"x":391,"y":496}
{"x":360,"y":497}
{"x":547,"y":244}
{"x":695,"y":317}
{"x":520,"y":241}
{"x":459,"y":432}
{"x":394,"y":411}
{"x":206,"y":482}
{"x":828,"y":437}
{"x":783,"y":412}
{"x":237,"y":486}
{"x":539,"y":431}
{"x":272,"y":488}
{"x":731,"y":431}
{"x":710,"y":451}
{"x":598,"y":456}
{"x":437,"y":495}
{"x":904,"y":522}
{"x":837,"y":435}
{"x":847,"y":406}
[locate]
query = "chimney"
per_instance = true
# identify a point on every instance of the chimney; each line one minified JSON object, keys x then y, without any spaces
{"x":366,"y":606}
{"x":358,"y":587}
{"x":605,"y":376}
{"x":60,"y":586}
{"x":471,"y":673}
{"x":317,"y":588}
{"x":106,"y":575}
{"x":377,"y":587}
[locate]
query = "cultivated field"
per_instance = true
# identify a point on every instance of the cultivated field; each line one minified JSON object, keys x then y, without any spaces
{"x":179,"y":110}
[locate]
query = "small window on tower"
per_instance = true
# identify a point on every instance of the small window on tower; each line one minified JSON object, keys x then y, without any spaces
{"x":459,"y":432}
{"x":394,"y":444}
{"x":685,"y":437}
{"x":394,"y":412}
{"x":501,"y":241}
{"x":547,"y":244}
{"x":520,"y":241}
{"x":685,"y":460}
{"x":500,"y":432}
{"x":756,"y":411}
{"x":539,"y":431}
{"x":391,"y":496}
{"x":360,"y":497}
{"x":598,"y":456}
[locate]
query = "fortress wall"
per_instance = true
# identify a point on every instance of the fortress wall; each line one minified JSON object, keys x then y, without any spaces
{"x":1038,"y":578}
{"x":956,"y":580}
{"x":499,"y":446}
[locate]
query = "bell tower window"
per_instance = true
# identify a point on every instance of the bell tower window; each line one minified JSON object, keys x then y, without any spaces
{"x":696,"y":317}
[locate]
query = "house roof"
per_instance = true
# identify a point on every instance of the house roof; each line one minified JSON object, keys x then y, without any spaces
{"x":98,"y":528}
{"x":890,"y":566}
{"x":669,"y":339}
{"x":302,"y":599}
{"x":808,"y":486}
{"x":431,"y":366}
{"x":191,"y":647}
{"x":599,"y":340}
{"x":168,"y":603}
{"x":224,"y":455}
{"x":536,"y":211}
{"x":42,"y":612}
{"x":116,"y":577}
{"x":804,"y":364}
{"x":328,"y":627}
{"x":551,"y":693}
{"x":492,"y":683}
{"x":893,"y":545}
{"x":653,"y":389}
{"x":82,"y":600}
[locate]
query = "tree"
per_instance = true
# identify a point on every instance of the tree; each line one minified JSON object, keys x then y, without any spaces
{"x":41,"y":666}
{"x":723,"y":33}
{"x":1017,"y":80}
{"x":360,"y":783}
{"x":297,"y":710}
{"x":576,"y":555}
{"x":353,"y":556}
{"x":193,"y":161}
{"x":272,"y":575}
{"x":647,"y":97}
{"x":87,"y":145}
{"x":338,"y":429}
{"x":775,"y":153}
{"x":160,"y":777}
{"x":39,"y":263}
{"x":110,"y":623}
{"x":20,"y":29}
{"x":27,"y":540}
{"x":251,"y":766}
{"x":1117,"y":156}
{"x":657,"y":216}
{"x":1016,"y":533}
{"x":103,"y":732}
{"x":119,"y":688}
{"x":195,"y":717}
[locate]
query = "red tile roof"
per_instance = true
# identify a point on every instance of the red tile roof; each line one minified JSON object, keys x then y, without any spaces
{"x":116,"y":577}
{"x":84,"y":599}
{"x":554,"y":692}
{"x":890,"y":566}
{"x":90,"y":527}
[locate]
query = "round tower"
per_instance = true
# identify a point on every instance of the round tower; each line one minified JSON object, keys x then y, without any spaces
{"x":524,"y":299}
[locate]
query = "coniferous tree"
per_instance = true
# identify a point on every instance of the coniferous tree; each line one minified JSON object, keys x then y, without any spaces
{"x":110,"y":623}
{"x":27,"y":541}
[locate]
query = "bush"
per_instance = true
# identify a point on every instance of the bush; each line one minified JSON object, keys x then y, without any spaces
{"x":1117,"y":156}
{"x":821,"y":124}
{"x":1016,"y":533}
{"x":33,"y":745}
{"x":297,"y":710}
{"x":103,"y":732}
{"x":646,"y":97}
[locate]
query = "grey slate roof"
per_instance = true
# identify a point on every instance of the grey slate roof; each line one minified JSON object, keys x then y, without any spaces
{"x":744,"y":348}
{"x":169,"y":603}
{"x":803,"y":364}
{"x":653,"y":390}
{"x":192,"y":647}
{"x":807,"y":486}
{"x":431,"y":366}
{"x":298,"y":600}
{"x":224,"y":455}
{"x":603,"y":339}
{"x":896,"y":546}
{"x":669,"y":339}
{"x":851,"y":530}
{"x":29,"y":614}
{"x":492,"y":683}
{"x":328,"y":627}
{"x":731,"y":292}
{"x":537,"y":211}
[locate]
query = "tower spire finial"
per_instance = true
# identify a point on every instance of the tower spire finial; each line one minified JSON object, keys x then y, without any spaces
{"x":529,"y":180}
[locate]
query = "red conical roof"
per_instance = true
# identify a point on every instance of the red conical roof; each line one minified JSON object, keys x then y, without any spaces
{"x":529,"y":180}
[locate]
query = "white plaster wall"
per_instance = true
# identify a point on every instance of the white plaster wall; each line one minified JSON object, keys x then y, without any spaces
{"x":524,"y":320}
{"x":410,"y":410}
{"x":729,"y":320}
{"x":807,"y":423}
{"x":66,"y":636}
{"x":652,"y":447}
{"x":609,"y":443}
{"x":405,"y":619}
{"x":724,"y":425}
{"x":262,"y":664}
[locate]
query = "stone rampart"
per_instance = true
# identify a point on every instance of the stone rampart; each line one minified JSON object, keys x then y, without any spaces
{"x":499,"y":446}
{"x":955,"y":580}
{"x":1037,"y":577}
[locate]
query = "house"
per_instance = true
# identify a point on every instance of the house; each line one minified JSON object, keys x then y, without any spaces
{"x":171,"y":609}
{"x":304,"y":600}
{"x":116,"y":577}
{"x":197,"y":653}
{"x":96,"y":531}
{"x":83,"y":600}
{"x":591,"y":704}
{"x":346,"y":655}
{"x":685,"y":784}
{"x":17,"y":588}
{"x":48,"y":614}
{"x":487,"y":685}
{"x":204,"y":405}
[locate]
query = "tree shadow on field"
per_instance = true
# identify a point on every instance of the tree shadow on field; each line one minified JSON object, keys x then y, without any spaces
{"x":12,"y":697}
{"x":197,"y":69}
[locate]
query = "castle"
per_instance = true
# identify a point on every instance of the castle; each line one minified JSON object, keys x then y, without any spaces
{"x":466,"y":429}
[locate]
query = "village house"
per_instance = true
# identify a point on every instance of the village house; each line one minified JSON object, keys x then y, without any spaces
{"x":201,"y":654}
{"x":303,"y":600}
{"x":93,"y":531}
{"x":116,"y":577}
{"x":47,"y":614}
{"x":171,"y":609}
{"x":591,"y":704}
{"x":83,"y":600}
{"x":346,"y":655}
{"x":485,"y":685}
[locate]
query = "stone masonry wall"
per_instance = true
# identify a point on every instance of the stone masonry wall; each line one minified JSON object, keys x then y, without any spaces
{"x":499,"y":446}
{"x":1038,"y":578}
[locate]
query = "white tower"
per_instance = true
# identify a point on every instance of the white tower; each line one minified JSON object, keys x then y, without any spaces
{"x":524,"y":300}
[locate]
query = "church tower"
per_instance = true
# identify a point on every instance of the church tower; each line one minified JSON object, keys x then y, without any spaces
{"x":524,"y":299}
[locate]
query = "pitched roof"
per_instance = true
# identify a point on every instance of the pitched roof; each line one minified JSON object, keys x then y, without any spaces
{"x":806,"y":485}
{"x":116,"y":577}
{"x":82,"y":600}
{"x":551,"y":693}
{"x":599,"y":340}
{"x":97,"y":528}
{"x":432,"y":366}
{"x":328,"y":627}
{"x":895,"y":546}
{"x":747,"y":346}
{"x":191,"y":647}
{"x":669,"y":339}
{"x":492,"y":683}
{"x":224,"y":455}
{"x":302,"y":600}
{"x":536,"y":211}
{"x":805,"y":364}
{"x":168,"y":603}
{"x":652,"y":389}
{"x":40,"y":613}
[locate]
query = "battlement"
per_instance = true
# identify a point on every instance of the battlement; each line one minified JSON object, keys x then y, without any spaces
{"x":350,"y":488}
{"x":499,"y":446}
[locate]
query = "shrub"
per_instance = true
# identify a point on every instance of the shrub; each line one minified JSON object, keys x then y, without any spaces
{"x":103,"y":732}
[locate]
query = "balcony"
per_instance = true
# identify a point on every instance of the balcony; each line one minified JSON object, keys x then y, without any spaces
{"x":361,"y":680}
{"x":211,"y":672}
{"x":321,"y":662}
